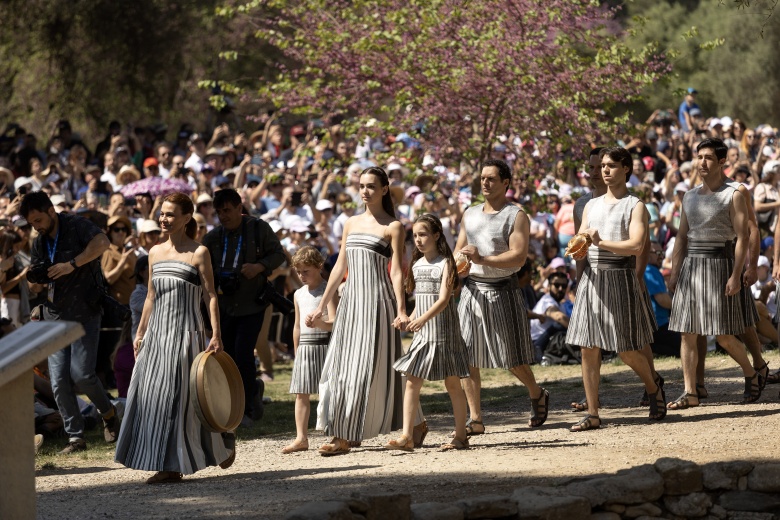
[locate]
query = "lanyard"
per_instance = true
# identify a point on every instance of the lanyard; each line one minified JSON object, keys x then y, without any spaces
{"x":51,"y":251}
{"x":238,"y":249}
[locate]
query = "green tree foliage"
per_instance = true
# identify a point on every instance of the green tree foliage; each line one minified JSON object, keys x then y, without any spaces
{"x":93,"y":61}
{"x":717,"y":48}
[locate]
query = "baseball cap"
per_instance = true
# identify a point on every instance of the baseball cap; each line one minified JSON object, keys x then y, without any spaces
{"x":694,"y":112}
{"x":203,"y":198}
{"x":56,"y":200}
{"x":557,"y":262}
{"x":692,"y":90}
{"x":681,"y":187}
{"x":219,"y":180}
{"x":22,"y":181}
{"x":276,"y":226}
{"x":726,"y":121}
{"x":767,"y":242}
{"x":715,"y":122}
{"x":412,"y":191}
{"x":762,"y":261}
{"x":323,"y":204}
{"x":19,"y":221}
{"x":649,"y":163}
{"x":769,"y":166}
{"x":148,"y":226}
{"x":150,"y":161}
{"x":195,"y":137}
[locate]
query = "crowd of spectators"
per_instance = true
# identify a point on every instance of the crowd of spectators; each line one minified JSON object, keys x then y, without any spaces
{"x":301,"y":177}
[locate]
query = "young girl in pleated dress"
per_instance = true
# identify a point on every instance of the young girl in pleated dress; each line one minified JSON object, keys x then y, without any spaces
{"x":311,"y":343}
{"x":437,"y":351}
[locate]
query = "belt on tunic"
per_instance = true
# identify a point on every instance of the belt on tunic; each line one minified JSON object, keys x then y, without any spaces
{"x":314,"y":339}
{"x":709,"y":249}
{"x":612,"y":262}
{"x":493,"y":284}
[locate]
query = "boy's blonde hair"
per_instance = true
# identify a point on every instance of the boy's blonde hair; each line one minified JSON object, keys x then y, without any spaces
{"x":308,"y":255}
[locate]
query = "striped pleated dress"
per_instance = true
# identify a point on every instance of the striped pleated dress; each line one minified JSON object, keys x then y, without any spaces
{"x":160,"y":431}
{"x":700,"y":305}
{"x":437,"y":350}
{"x":609,"y":309}
{"x":364,"y":394}
{"x":493,"y":318}
{"x":749,"y":311}
{"x":312,"y":344}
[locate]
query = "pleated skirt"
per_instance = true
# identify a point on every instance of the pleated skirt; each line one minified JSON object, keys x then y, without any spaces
{"x":309,"y":360}
{"x":494,"y":323}
{"x":749,"y":311}
{"x":610,"y":311}
{"x":649,"y":308}
{"x":437,"y":350}
{"x":700,"y":304}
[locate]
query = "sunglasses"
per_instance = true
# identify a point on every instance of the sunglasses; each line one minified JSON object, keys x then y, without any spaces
{"x":750,"y":136}
{"x":560,"y":285}
{"x":120,"y":230}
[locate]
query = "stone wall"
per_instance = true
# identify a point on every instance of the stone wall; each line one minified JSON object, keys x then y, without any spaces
{"x":670,"y":488}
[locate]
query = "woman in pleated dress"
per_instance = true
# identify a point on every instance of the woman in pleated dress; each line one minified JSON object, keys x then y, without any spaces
{"x":363,"y":396}
{"x":609,"y":312}
{"x":438,"y":351}
{"x":160,"y":430}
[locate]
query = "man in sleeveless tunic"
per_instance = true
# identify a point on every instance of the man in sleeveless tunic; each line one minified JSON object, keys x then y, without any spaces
{"x":609,"y":311}
{"x":494,"y":323}
{"x":707,"y":262}
{"x":599,"y":188}
{"x":750,"y":336}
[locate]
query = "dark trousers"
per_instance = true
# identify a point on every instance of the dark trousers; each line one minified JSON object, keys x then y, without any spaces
{"x":239,"y":336}
{"x":666,"y":342}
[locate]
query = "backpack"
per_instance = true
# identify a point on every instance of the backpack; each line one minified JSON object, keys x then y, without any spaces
{"x":558,"y":352}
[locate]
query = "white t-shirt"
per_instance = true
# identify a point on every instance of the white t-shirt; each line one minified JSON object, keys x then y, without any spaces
{"x":537,"y":327}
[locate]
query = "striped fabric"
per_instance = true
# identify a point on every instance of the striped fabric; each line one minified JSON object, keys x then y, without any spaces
{"x":364,"y":394}
{"x":700,"y":305}
{"x":611,"y":308}
{"x":309,"y":360}
{"x":494,"y":323}
{"x":648,"y":308}
{"x":160,"y":431}
{"x":610,"y":311}
{"x":749,"y":311}
{"x":437,"y":350}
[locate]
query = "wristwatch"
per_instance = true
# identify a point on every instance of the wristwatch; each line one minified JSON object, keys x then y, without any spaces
{"x":73,"y":263}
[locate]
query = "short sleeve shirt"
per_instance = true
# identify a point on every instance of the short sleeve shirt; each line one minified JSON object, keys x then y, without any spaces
{"x":654,"y":281}
{"x":77,"y":295}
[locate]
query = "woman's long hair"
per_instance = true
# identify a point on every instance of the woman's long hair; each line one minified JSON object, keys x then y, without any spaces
{"x":434,"y":226}
{"x":187,"y":208}
{"x":387,"y":200}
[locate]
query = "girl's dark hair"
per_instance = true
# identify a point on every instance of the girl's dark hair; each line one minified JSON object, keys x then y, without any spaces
{"x":7,"y":241}
{"x":442,"y":247}
{"x":187,"y":208}
{"x":387,"y":200}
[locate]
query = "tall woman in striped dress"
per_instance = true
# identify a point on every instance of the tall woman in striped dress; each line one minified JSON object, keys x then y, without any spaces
{"x":609,"y":311}
{"x":160,"y":431}
{"x":311,"y":343}
{"x":364,"y":397}
{"x":437,"y":351}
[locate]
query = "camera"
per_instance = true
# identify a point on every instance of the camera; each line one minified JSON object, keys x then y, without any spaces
{"x":295,"y":198}
{"x":268,"y":295}
{"x":228,"y":282}
{"x":39,"y":273}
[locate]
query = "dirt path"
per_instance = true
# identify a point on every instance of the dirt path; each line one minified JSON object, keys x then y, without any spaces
{"x":265,"y":484}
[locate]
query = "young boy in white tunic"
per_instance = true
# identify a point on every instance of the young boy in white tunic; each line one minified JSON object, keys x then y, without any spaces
{"x":311,"y":343}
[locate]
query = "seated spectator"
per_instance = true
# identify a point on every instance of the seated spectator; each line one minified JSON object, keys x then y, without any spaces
{"x":552,"y":318}
{"x":665,"y":341}
{"x":762,"y":291}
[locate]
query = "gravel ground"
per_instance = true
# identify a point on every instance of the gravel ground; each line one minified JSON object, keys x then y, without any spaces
{"x":263,"y":483}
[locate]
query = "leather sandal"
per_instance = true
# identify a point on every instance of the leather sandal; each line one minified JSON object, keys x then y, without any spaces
{"x":419,"y":433}
{"x":229,"y":438}
{"x":657,"y":404}
{"x":335,"y":447}
{"x":295,"y":446}
{"x":455,"y":444}
{"x":165,"y":477}
{"x":403,"y":443}
{"x":470,"y":428}
{"x":540,"y":411}
{"x":773,"y":378}
{"x":581,"y":406}
{"x":588,"y":423}
{"x":684,"y":402}
{"x":701,"y":391}
{"x":752,"y":389}
{"x":763,"y":373}
{"x":659,"y":381}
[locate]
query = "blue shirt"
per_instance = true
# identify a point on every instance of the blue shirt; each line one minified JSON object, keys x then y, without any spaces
{"x":684,"y":108}
{"x":654,"y":281}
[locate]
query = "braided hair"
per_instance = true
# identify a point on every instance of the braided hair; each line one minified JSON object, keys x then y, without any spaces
{"x":442,"y":247}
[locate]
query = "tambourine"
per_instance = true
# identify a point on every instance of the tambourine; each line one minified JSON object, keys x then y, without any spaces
{"x":217,"y":391}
